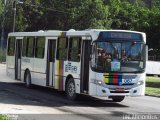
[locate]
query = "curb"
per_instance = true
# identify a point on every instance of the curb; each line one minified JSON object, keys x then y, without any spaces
{"x":152,"y":95}
{"x":2,"y":62}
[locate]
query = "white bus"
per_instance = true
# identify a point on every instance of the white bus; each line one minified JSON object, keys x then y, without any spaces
{"x":103,"y":63}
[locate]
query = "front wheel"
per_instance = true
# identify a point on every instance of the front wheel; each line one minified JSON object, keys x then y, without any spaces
{"x":117,"y":98}
{"x":71,"y":90}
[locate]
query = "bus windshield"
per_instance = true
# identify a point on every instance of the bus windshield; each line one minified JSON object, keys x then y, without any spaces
{"x":118,"y":56}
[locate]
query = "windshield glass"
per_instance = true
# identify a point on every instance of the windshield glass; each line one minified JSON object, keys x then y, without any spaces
{"x":118,"y":57}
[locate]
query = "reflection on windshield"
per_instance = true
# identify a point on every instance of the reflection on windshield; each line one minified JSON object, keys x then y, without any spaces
{"x":122,"y":57}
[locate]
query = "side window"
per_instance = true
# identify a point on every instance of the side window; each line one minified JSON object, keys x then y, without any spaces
{"x":40,"y":47}
{"x":62,"y":48}
{"x":24,"y":50}
{"x":75,"y":49}
{"x":30,"y":46}
{"x":11,"y":46}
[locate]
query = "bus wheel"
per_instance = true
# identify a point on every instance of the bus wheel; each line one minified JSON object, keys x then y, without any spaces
{"x":28,"y":79}
{"x":117,"y":98}
{"x":71,"y":90}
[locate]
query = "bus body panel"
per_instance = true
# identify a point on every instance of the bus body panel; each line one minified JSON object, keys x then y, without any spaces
{"x":10,"y":66}
{"x":39,"y":72}
{"x":55,"y":73}
{"x":26,"y":64}
{"x":102,"y":89}
{"x":62,"y":70}
{"x":92,"y":85}
{"x":39,"y":69}
{"x":38,"y":78}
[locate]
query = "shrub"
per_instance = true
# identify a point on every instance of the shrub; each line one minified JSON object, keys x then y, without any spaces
{"x":2,"y":55}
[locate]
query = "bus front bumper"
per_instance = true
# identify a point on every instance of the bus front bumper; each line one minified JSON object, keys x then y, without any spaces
{"x":135,"y":90}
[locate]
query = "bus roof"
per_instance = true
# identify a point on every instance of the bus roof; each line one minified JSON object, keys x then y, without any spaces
{"x":56,"y":33}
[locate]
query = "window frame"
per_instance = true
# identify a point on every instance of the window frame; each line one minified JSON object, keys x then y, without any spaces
{"x":71,"y":49}
{"x":40,"y":47}
{"x":62,"y":48}
{"x":11,"y":46}
{"x":28,"y":46}
{"x":24,"y":48}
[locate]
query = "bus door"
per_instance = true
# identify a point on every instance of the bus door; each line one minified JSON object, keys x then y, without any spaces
{"x":18,"y":58}
{"x":51,"y":61}
{"x":85,"y":66}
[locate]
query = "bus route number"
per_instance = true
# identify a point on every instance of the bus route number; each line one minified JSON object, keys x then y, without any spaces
{"x":127,"y":80}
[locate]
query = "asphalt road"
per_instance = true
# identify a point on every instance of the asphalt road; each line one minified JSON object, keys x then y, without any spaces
{"x":41,"y":103}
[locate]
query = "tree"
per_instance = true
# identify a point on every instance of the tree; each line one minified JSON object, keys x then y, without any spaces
{"x":0,"y":7}
{"x":126,"y":15}
{"x":0,"y":12}
{"x":43,"y":15}
{"x":77,"y":14}
{"x":153,"y":30}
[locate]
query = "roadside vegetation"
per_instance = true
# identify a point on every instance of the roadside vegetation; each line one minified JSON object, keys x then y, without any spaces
{"x":2,"y":117}
{"x":2,"y":55}
{"x":153,"y":86}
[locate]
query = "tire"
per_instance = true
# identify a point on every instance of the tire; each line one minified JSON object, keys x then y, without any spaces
{"x":117,"y":98}
{"x":71,"y":90}
{"x":28,"y":80}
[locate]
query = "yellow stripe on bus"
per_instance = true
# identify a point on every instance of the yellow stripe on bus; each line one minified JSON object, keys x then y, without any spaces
{"x":57,"y":73}
{"x":106,"y":77}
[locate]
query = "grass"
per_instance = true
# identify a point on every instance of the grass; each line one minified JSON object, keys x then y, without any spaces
{"x":153,"y":86}
{"x":2,"y":55}
{"x":2,"y":117}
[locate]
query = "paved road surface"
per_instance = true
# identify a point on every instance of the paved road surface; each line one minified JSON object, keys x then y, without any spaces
{"x":43,"y":103}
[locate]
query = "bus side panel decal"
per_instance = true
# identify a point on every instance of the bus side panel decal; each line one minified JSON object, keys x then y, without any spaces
{"x":61,"y":63}
{"x":59,"y":72}
{"x":63,"y":34}
{"x":115,"y":78}
{"x":106,"y":79}
{"x":57,"y":75}
{"x":112,"y":78}
{"x":120,"y":80}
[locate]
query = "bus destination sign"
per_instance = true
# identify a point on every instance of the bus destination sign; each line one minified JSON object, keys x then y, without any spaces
{"x":119,"y":36}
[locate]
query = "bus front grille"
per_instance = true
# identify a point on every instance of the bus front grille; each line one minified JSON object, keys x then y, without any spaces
{"x":119,"y":84}
{"x":119,"y":91}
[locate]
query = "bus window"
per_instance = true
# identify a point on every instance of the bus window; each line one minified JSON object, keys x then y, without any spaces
{"x":74,"y":49}
{"x":62,"y":48}
{"x":24,"y":50}
{"x":30,"y":45}
{"x":11,"y":46}
{"x":40,"y":47}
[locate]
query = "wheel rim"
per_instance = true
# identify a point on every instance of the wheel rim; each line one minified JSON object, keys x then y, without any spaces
{"x":71,"y":89}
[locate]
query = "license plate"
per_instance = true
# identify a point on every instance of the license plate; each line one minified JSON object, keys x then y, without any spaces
{"x":120,"y":89}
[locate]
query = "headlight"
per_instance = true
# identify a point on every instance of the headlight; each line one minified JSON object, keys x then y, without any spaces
{"x":99,"y":82}
{"x":140,"y":82}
